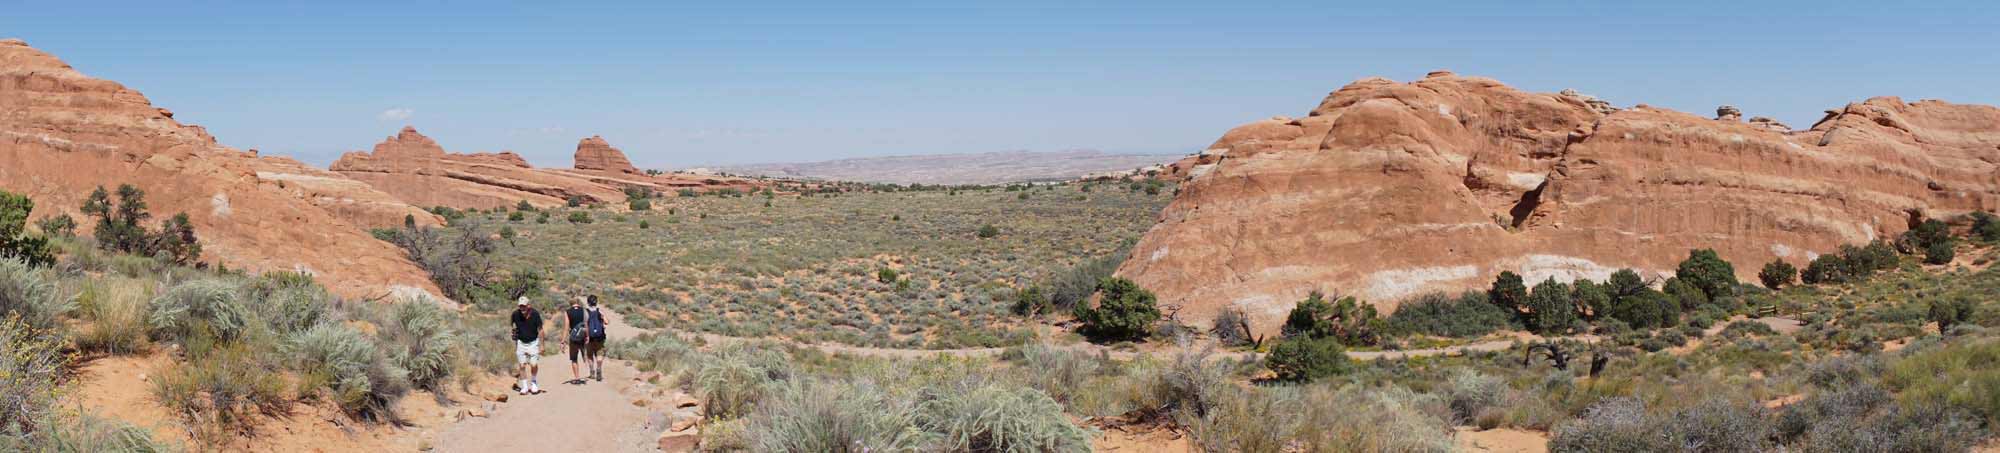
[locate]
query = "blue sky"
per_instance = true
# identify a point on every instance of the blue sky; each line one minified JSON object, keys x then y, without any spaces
{"x":677,"y":84}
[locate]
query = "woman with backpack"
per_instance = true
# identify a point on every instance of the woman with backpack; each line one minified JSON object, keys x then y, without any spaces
{"x":578,"y":337}
{"x":593,"y":351}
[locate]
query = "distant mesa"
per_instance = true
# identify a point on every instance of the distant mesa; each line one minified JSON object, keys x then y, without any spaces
{"x":973,"y":168}
{"x":415,"y":169}
{"x":63,"y":133}
{"x":1385,"y":190}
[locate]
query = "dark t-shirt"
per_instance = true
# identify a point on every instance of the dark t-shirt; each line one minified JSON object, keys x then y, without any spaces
{"x":577,"y":317}
{"x":527,"y":326}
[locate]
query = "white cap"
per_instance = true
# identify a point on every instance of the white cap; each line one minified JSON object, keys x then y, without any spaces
{"x":523,"y":301}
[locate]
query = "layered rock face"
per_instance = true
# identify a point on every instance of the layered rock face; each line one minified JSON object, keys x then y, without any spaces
{"x":416,"y":170}
{"x":63,"y":134}
{"x":1388,"y":189}
{"x":595,"y":154}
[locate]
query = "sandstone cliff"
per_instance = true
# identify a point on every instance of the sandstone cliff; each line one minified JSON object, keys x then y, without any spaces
{"x":63,"y":133}
{"x":1388,"y":189}
{"x":417,"y":170}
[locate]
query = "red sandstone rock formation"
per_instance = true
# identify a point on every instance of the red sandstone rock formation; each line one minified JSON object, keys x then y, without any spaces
{"x":63,"y":133}
{"x":595,"y":154}
{"x":1388,"y":189}
{"x":417,"y":170}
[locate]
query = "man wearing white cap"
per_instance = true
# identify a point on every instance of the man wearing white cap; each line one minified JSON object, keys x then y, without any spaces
{"x":527,"y":344}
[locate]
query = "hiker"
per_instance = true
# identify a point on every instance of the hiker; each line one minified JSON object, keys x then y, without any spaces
{"x":594,"y":352}
{"x":527,"y":345}
{"x":579,"y":337}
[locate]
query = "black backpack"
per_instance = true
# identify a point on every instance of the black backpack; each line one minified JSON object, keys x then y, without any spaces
{"x":577,"y":333}
{"x":596,"y":323}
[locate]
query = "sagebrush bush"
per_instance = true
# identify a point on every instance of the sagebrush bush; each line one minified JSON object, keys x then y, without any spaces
{"x":1243,"y":421}
{"x":732,"y":382}
{"x":83,"y":433}
{"x":1061,"y":373}
{"x":1624,"y":424}
{"x":1471,"y":394}
{"x":1191,"y":381}
{"x":350,"y":367}
{"x":420,"y":338}
{"x":996,"y":418}
{"x":804,"y":416}
{"x":1960,"y":375}
{"x":289,"y":302}
{"x":31,"y":363}
{"x":29,"y":294}
{"x":1391,"y":419}
{"x":197,"y":310}
{"x":221,"y":395}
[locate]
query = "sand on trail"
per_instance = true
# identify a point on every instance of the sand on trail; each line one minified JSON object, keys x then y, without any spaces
{"x":596,"y":416}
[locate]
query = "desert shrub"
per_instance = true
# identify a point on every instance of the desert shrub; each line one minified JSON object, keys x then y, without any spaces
{"x":1301,"y":359}
{"x":419,"y":338}
{"x":1897,"y":429}
{"x":1126,"y":312}
{"x":1985,"y":226}
{"x":28,"y":294}
{"x":1958,"y":376}
{"x":1777,"y":274}
{"x":1471,"y":394}
{"x":1232,"y":327}
{"x":1347,"y":320}
{"x":1242,"y":421}
{"x":1509,"y":293}
{"x":1826,"y":269}
{"x":1746,"y":328}
{"x":59,"y":225}
{"x":289,"y":302}
{"x":221,"y":395}
{"x":1940,"y":252}
{"x":1592,"y":299}
{"x":1646,"y":309}
{"x":997,"y":418}
{"x":663,"y":353}
{"x":1708,"y":272}
{"x":66,"y":432}
{"x":1951,"y":311}
{"x":353,"y":370}
{"x":1865,"y":261}
{"x":834,"y":416}
{"x":887,"y":275}
{"x":1550,"y":309}
{"x":31,"y":364}
{"x":456,"y":257}
{"x":1072,"y":287}
{"x":1623,"y":424}
{"x":1061,"y":373}
{"x":117,"y":310}
{"x":989,"y":231}
{"x":733,"y":381}
{"x":1391,"y":419}
{"x":15,"y":244}
{"x":580,"y":217}
{"x":120,"y":227}
{"x":1437,"y":313}
{"x":199,"y":310}
{"x":639,"y":204}
{"x":1686,"y":296}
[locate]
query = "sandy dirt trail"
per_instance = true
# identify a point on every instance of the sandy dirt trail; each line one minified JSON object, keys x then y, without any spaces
{"x":593,"y":417}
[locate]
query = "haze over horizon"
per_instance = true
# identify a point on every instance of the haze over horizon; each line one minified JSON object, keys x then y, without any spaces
{"x":680,"y":86}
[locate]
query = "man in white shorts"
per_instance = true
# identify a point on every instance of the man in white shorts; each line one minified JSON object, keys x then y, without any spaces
{"x":527,"y":344}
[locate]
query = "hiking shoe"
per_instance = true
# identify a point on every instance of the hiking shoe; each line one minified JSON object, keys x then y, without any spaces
{"x":534,"y":387}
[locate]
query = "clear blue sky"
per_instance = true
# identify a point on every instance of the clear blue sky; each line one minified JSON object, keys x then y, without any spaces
{"x":686,"y":84}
